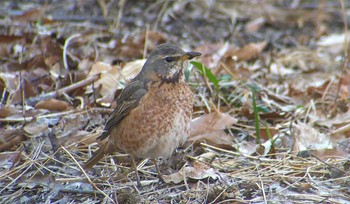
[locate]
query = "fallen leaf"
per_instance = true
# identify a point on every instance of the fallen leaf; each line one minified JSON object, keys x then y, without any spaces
{"x":247,"y":52}
{"x":211,"y":122}
{"x":113,"y":78}
{"x":198,"y":171}
{"x":52,"y":105}
{"x":7,"y":111}
{"x":307,"y":137}
{"x":209,"y":128}
{"x":34,"y":129}
{"x":216,"y":138}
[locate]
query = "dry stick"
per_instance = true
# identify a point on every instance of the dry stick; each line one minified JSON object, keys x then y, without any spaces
{"x":87,"y":177}
{"x":29,"y":118}
{"x":325,"y":163}
{"x":227,"y":151}
{"x":53,"y":94}
{"x":342,"y":129}
{"x":78,"y":191}
{"x":65,"y":47}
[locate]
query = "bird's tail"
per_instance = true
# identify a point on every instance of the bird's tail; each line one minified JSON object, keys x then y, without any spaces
{"x":96,"y":157}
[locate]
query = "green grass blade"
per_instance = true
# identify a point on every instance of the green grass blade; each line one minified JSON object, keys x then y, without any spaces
{"x":207,"y":73}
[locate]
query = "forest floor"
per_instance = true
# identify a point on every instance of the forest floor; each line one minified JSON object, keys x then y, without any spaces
{"x":271,"y":120}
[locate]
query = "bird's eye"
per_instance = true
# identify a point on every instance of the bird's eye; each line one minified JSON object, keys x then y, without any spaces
{"x":169,"y":59}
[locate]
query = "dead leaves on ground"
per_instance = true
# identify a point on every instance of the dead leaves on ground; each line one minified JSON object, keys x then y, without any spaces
{"x":209,"y":128}
{"x":302,"y":102}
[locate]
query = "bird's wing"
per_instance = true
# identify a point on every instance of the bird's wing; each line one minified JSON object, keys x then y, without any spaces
{"x":126,"y":102}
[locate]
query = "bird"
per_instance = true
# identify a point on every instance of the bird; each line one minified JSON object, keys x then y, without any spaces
{"x":153,"y":112}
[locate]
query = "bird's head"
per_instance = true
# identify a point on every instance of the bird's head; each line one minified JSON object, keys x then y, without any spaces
{"x":167,"y":63}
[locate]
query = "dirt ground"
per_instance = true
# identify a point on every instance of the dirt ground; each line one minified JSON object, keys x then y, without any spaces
{"x":271,"y":119}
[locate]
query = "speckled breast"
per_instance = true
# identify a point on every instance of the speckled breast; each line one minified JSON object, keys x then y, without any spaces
{"x":159,"y":124}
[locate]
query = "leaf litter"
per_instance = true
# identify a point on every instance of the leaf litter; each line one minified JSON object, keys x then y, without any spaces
{"x":64,"y":63}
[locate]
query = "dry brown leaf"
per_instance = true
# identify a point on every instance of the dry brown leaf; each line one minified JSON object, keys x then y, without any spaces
{"x":307,"y":137}
{"x":264,"y":134}
{"x":52,"y":105}
{"x":209,"y":128}
{"x":7,"y":111}
{"x":248,"y":52}
{"x":35,"y":129}
{"x":216,"y":138}
{"x":112,"y":77}
{"x":9,"y":43}
{"x":210,"y":123}
{"x":198,"y":171}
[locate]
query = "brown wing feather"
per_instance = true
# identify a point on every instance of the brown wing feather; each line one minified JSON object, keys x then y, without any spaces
{"x":127,"y":101}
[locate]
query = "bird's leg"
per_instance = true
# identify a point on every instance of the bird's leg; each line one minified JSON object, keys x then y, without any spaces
{"x":136,"y":172}
{"x":159,"y":173}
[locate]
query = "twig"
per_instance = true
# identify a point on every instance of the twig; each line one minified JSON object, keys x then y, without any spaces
{"x":342,"y":129}
{"x":32,"y":101}
{"x":66,"y":43}
{"x":79,"y":191}
{"x":13,"y":119}
{"x":325,"y":163}
{"x":226,"y":151}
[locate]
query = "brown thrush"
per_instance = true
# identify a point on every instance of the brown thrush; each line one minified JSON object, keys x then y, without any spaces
{"x":153,"y":112}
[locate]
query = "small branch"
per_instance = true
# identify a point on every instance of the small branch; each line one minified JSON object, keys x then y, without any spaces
{"x":65,"y":47}
{"x":342,"y":129}
{"x":32,"y":101}
{"x":79,"y":191}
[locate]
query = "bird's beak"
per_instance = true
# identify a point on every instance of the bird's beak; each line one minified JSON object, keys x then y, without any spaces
{"x":190,"y":55}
